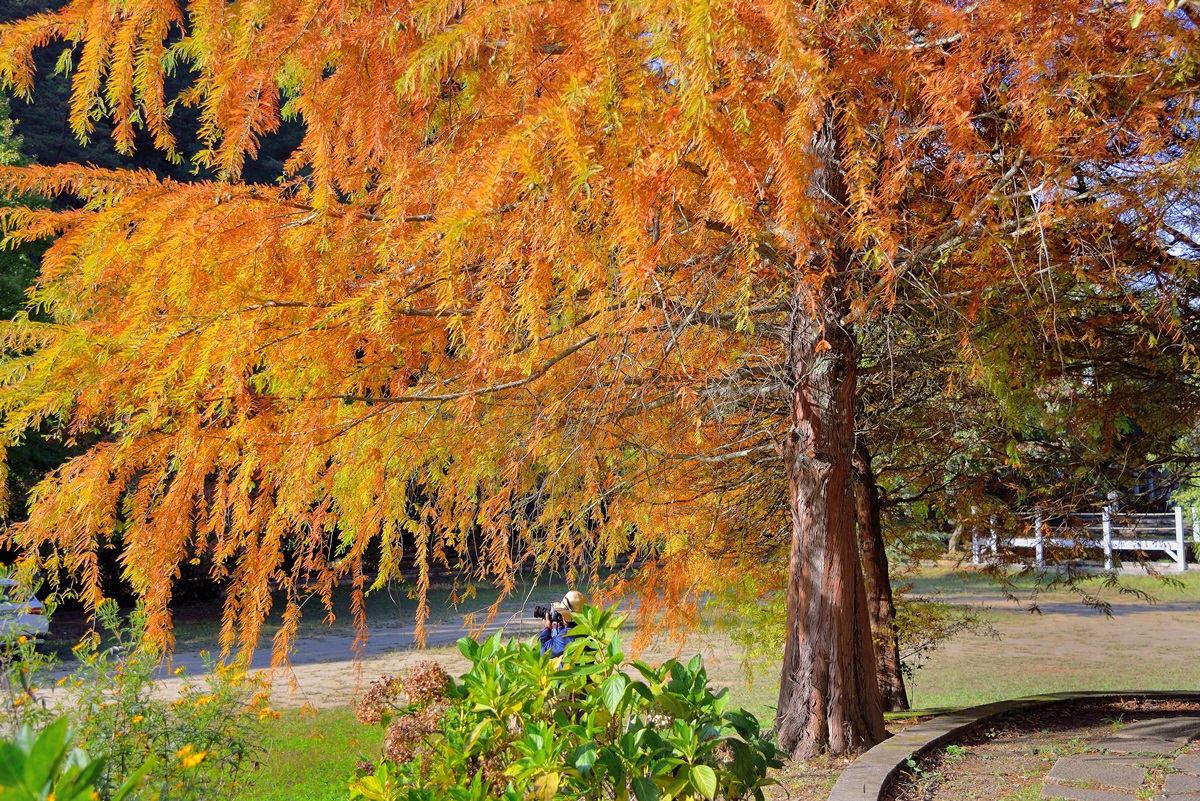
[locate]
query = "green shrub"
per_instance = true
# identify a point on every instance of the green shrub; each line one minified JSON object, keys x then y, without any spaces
{"x":925,"y":624}
{"x":521,"y":725}
{"x":199,"y":744}
{"x":23,"y":670}
{"x":47,"y":768}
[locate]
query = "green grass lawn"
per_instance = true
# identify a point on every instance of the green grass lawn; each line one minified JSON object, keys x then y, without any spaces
{"x":1147,"y":645}
{"x":310,"y":757}
{"x":1166,"y":588}
{"x":1144,"y":646}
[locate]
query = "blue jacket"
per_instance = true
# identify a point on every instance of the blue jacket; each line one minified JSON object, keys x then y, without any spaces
{"x":554,"y":640}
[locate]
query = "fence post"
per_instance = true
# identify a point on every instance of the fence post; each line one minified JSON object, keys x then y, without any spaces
{"x":995,"y":536}
{"x":1179,"y":537}
{"x":1038,"y":544}
{"x":974,"y":537}
{"x":1195,"y":526}
{"x":1107,"y":521}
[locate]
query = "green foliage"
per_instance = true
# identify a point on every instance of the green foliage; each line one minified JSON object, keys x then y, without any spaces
{"x":10,"y":143}
{"x":47,"y":768}
{"x":22,"y":666}
{"x":751,"y":608}
{"x":923,"y":625}
{"x":521,"y":725}
{"x":199,"y":744}
{"x":757,"y":624}
{"x":32,"y":459}
{"x":18,"y":265}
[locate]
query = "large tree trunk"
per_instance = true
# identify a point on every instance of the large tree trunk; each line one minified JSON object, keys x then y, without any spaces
{"x":880,"y":606}
{"x":828,"y":694}
{"x":955,"y":538}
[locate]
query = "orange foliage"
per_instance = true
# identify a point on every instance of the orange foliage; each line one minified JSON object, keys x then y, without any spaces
{"x":524,"y":289}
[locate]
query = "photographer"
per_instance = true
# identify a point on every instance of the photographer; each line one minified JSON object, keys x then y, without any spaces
{"x":554,"y":636}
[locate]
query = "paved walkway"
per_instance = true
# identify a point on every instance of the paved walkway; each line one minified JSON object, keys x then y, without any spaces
{"x":1130,"y":762}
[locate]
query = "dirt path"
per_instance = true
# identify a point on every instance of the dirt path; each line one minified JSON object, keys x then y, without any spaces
{"x":1066,"y":647}
{"x":323,"y":671}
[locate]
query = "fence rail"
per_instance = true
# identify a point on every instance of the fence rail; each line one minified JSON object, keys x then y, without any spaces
{"x":1108,"y":530}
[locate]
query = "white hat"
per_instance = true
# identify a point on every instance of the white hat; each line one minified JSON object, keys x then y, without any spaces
{"x":572,"y":602}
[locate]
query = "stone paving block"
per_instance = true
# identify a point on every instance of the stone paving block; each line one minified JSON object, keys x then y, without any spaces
{"x":865,"y":779}
{"x":1110,"y":771}
{"x":1180,"y":728}
{"x":1178,"y":797}
{"x":1188,"y":763}
{"x":1137,"y":745}
{"x":1081,"y":794}
{"x":1181,"y":783}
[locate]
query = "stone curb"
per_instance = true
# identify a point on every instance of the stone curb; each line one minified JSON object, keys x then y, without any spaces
{"x":867,"y":777}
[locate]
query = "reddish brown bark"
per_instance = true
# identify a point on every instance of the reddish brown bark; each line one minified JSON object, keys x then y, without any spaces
{"x":880,"y":605}
{"x":828,"y":694}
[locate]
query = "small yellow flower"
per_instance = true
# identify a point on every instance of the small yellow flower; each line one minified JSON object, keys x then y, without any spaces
{"x":22,"y":640}
{"x":182,"y":752}
{"x":138,"y":718}
{"x":195,"y":759}
{"x":62,"y":681}
{"x":205,"y":699}
{"x":178,"y":671}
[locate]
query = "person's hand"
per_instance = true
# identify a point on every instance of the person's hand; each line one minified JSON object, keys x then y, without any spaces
{"x":547,"y":624}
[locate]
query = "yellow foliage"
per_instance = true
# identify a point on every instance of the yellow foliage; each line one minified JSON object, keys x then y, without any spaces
{"x":523,"y":251}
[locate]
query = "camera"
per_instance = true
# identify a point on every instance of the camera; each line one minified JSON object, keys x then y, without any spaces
{"x":548,"y":613}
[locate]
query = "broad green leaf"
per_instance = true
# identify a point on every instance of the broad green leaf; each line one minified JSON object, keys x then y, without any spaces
{"x":645,"y":789}
{"x":641,"y":689}
{"x":704,"y":779}
{"x":468,"y":648}
{"x":46,"y":755}
{"x":90,"y":772}
{"x":12,"y":763}
{"x":613,"y":690}
{"x":650,"y":673}
{"x":585,"y":758}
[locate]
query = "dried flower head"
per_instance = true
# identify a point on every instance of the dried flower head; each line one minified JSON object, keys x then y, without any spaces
{"x":378,"y":698}
{"x":424,"y":682}
{"x":406,"y":734}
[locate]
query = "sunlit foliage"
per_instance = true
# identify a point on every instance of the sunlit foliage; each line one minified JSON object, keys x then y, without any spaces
{"x":530,"y":285}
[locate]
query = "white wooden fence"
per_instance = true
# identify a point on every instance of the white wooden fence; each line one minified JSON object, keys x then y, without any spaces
{"x":1108,"y":530}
